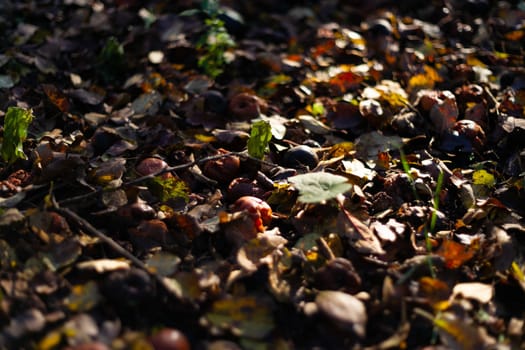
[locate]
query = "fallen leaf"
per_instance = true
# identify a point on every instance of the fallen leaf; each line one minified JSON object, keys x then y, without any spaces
{"x":359,"y":235}
{"x":244,"y":316}
{"x":455,"y":254}
{"x":345,"y":310}
{"x":83,"y":297}
{"x":103,"y":265}
{"x":481,"y":292}
{"x":319,"y":186}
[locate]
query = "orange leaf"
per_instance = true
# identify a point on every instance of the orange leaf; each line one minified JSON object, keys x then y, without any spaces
{"x":514,"y":35}
{"x":436,"y":291}
{"x":346,"y":80}
{"x":455,"y":254}
{"x":56,"y":97}
{"x":323,"y":48}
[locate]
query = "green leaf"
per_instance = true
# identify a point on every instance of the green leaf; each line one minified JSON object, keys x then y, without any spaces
{"x":319,"y":186}
{"x":170,"y":188}
{"x":112,"y":50}
{"x":16,"y":122}
{"x":260,"y":136}
{"x":318,"y":109}
{"x":111,"y":62}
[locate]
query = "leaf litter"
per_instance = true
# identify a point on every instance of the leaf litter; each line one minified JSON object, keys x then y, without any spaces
{"x":262,"y":175}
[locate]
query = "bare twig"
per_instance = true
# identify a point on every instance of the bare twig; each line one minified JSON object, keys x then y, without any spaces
{"x":141,"y":179}
{"x":88,"y":228}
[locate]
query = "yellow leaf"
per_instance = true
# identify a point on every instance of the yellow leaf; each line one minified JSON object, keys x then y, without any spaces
{"x":50,"y":341}
{"x":432,"y":74}
{"x":424,"y":80}
{"x":517,"y":272}
{"x":483,"y":177}
{"x":341,"y":149}
{"x":420,"y":81}
{"x":473,"y":61}
{"x":104,"y":179}
{"x":205,"y":138}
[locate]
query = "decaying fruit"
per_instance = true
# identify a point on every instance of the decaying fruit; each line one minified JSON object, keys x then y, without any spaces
{"x":150,"y":165}
{"x":223,"y":169}
{"x":249,"y":217}
{"x":245,"y":106}
{"x":169,"y":339}
{"x":258,"y":209}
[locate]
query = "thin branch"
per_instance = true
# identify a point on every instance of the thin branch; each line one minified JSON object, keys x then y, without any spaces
{"x":141,"y":179}
{"x":88,"y":228}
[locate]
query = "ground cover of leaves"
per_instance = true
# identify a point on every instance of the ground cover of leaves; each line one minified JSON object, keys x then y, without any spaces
{"x":385,"y":212}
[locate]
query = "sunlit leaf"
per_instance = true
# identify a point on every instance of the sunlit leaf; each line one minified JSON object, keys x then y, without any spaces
{"x":273,"y":84}
{"x":103,"y":265}
{"x":426,"y":80}
{"x":260,"y":137}
{"x":435,"y":291}
{"x":319,"y":186}
{"x":316,"y":108}
{"x":50,"y":341}
{"x":458,"y":334}
{"x":341,"y":149}
{"x":323,"y":48}
{"x":481,"y":292}
{"x":388,"y":91}
{"x":252,"y":253}
{"x":357,"y":169}
{"x":516,"y":272}
{"x":455,"y":332}
{"x":474,"y":61}
{"x":16,"y":123}
{"x":483,"y":177}
{"x":359,"y":235}
{"x":346,"y":81}
{"x":205,"y":138}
